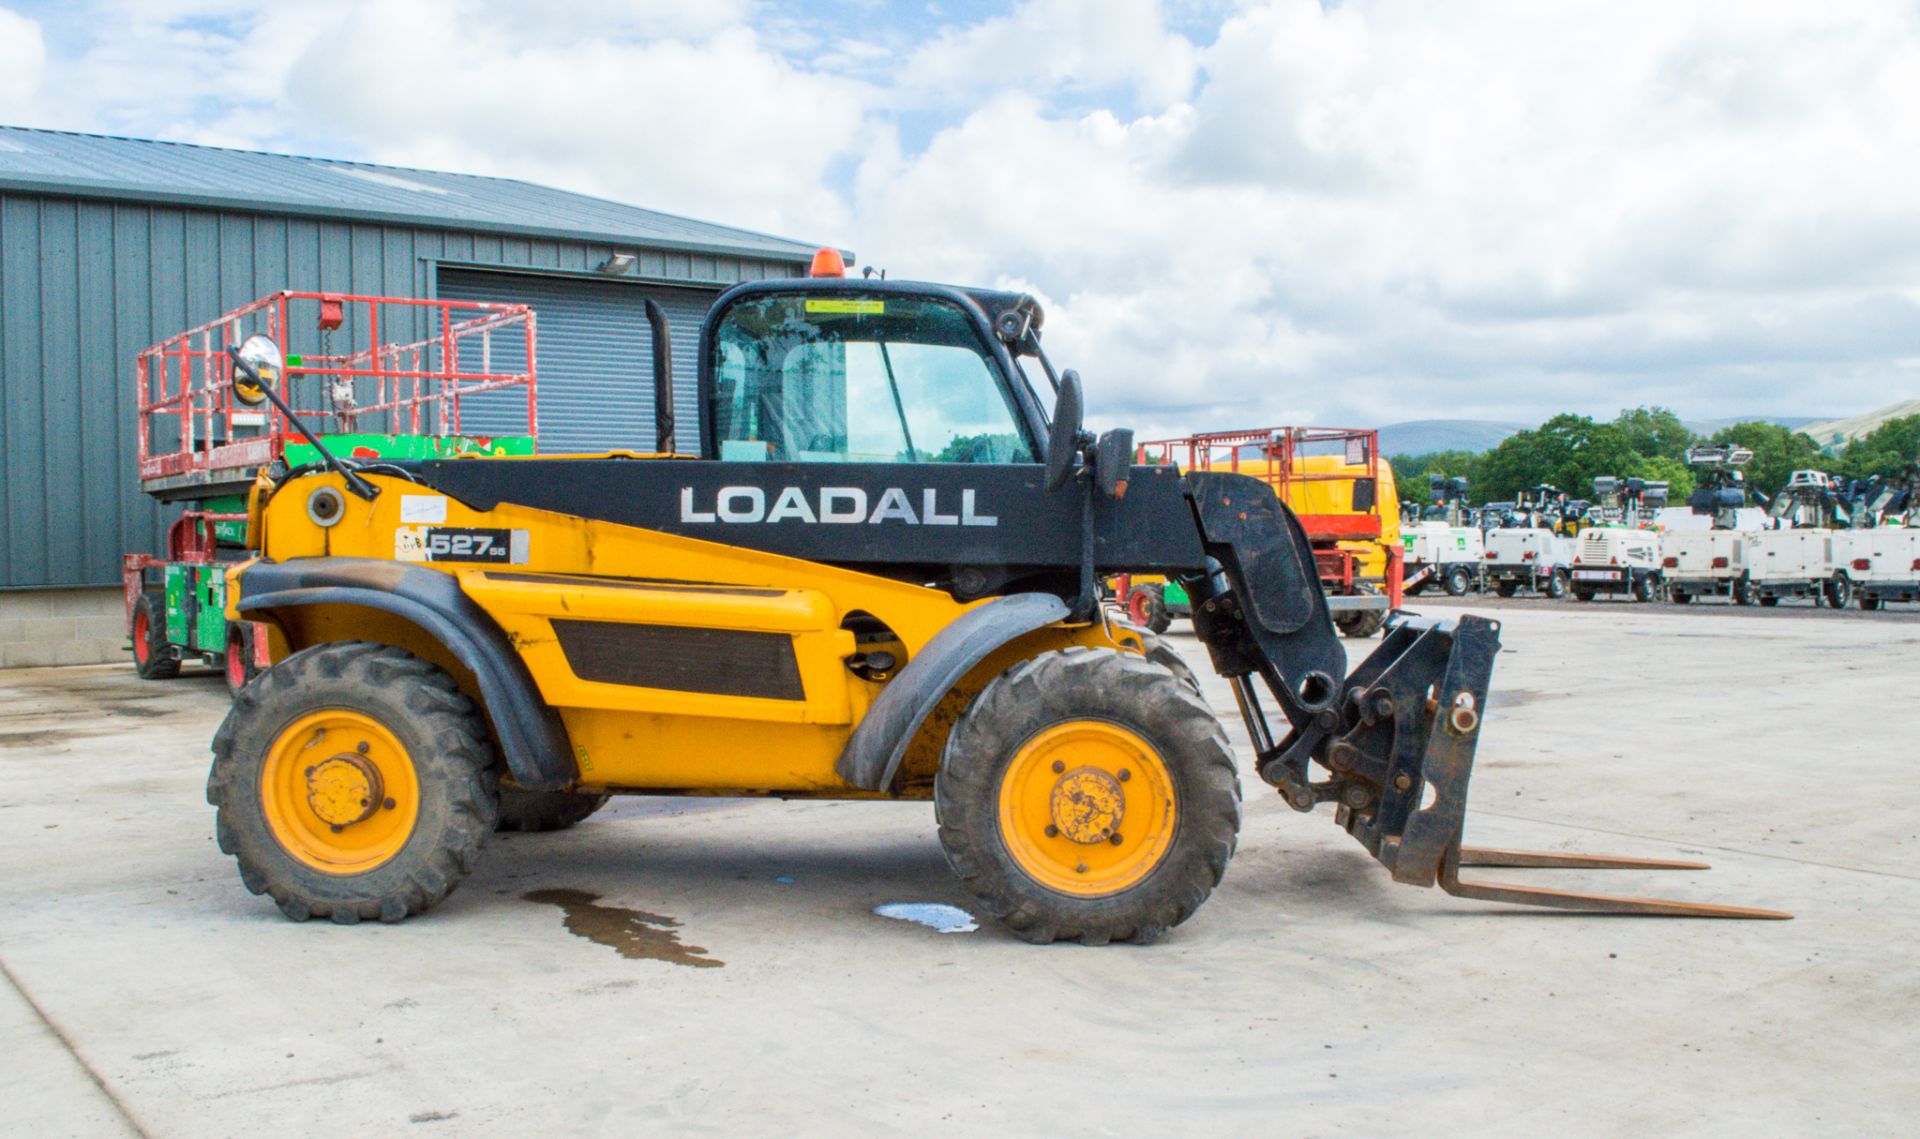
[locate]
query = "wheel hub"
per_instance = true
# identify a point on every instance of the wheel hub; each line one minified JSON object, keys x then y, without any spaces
{"x":1087,"y":805}
{"x":344,"y":790}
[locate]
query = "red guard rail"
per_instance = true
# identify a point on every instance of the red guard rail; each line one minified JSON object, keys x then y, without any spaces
{"x":451,"y":351}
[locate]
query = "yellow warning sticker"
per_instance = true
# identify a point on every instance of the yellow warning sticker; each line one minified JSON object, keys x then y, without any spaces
{"x":868,"y":308}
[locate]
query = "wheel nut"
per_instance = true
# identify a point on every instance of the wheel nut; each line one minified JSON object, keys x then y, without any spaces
{"x":389,"y":804}
{"x":1080,"y":869}
{"x":1114,"y":838}
{"x":1053,"y":831}
{"x":363,"y":748}
{"x":1058,"y":767}
{"x":1125,"y":775}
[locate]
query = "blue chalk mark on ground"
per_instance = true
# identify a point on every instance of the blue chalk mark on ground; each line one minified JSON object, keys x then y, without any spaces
{"x":933,"y":915}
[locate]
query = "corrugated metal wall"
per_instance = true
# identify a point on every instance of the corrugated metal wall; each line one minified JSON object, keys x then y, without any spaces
{"x":596,"y":358}
{"x":84,"y":286}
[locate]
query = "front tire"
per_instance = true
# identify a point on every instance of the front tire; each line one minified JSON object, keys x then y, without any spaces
{"x":1839,"y":591}
{"x":237,"y":663}
{"x":1088,"y":794}
{"x":153,"y":655}
{"x":1743,"y":592}
{"x":353,"y":781}
{"x":1557,"y":584}
{"x":1869,"y":603}
{"x":1459,"y":580}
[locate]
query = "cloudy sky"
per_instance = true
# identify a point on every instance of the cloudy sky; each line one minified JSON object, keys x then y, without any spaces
{"x":1238,"y":213}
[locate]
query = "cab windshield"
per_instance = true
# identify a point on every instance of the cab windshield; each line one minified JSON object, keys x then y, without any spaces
{"x":849,"y":379}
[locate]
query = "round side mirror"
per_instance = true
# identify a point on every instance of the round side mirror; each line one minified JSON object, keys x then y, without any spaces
{"x":257,"y":366}
{"x":1064,"y":438}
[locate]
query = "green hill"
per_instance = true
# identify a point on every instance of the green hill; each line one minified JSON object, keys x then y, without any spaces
{"x":1839,"y":432}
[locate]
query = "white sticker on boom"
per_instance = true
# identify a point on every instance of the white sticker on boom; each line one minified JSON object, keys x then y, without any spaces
{"x":422,"y":508}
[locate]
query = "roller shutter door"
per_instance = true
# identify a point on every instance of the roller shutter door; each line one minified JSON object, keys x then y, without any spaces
{"x":595,"y":358}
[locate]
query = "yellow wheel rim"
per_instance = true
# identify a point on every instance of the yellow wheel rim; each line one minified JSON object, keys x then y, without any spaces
{"x":339,"y":791}
{"x":1087,"y":808}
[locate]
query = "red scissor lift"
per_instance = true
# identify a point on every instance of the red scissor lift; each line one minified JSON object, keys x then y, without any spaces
{"x":406,"y":399}
{"x":1348,"y":473}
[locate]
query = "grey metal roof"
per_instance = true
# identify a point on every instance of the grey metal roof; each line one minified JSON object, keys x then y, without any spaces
{"x":102,"y":166}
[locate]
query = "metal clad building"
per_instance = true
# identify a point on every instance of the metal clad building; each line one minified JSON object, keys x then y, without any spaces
{"x":108,"y":245}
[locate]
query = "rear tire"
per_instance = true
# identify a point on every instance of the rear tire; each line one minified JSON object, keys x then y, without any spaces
{"x":413,"y":761}
{"x":1645,"y":589}
{"x":1839,"y":591}
{"x":532,"y":811}
{"x":1870,"y":604}
{"x":1153,"y":767}
{"x":1459,"y":579}
{"x":1363,"y":623}
{"x":1583,"y":595}
{"x":1680,"y":597}
{"x":153,"y":656}
{"x":1769,"y":600}
{"x":1163,"y":654}
{"x":1557,"y":585}
{"x":1147,"y":607}
{"x":1743,"y":592}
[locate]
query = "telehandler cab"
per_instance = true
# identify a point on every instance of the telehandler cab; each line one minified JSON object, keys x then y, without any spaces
{"x":877,"y":579}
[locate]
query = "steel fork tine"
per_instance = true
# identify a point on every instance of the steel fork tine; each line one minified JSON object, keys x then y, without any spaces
{"x":1449,"y":880}
{"x":1567,"y":860}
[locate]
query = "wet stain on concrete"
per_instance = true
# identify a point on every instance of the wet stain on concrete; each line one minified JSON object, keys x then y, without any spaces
{"x":137,"y":711}
{"x":634,"y":934}
{"x":41,"y":738}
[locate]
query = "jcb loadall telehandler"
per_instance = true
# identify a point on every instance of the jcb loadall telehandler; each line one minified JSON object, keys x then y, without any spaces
{"x":877,"y":580}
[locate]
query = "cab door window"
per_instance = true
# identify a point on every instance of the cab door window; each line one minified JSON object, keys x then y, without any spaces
{"x":802,"y":378}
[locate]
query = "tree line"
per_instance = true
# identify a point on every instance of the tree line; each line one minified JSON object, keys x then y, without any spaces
{"x":1569,"y":451}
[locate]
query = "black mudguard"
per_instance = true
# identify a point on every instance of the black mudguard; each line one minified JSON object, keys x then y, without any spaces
{"x":529,"y":732}
{"x":874,"y":750}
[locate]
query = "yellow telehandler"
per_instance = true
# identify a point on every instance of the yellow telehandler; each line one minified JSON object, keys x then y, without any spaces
{"x":875,"y":578}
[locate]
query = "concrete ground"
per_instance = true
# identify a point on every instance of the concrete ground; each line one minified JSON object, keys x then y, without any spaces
{"x":724,"y":971}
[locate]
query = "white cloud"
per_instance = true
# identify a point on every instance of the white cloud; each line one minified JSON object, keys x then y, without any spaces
{"x":1076,"y":45}
{"x":23,"y":57}
{"x":1381,"y":210}
{"x":1392,"y":209}
{"x":719,"y":127}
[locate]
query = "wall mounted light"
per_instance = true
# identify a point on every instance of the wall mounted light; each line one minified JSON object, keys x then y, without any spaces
{"x":618,"y":264}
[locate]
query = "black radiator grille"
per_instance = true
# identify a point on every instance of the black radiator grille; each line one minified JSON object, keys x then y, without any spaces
{"x":724,"y":662}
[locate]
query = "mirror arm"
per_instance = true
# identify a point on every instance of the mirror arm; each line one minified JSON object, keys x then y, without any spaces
{"x":358,"y":485}
{"x":1046,"y":365}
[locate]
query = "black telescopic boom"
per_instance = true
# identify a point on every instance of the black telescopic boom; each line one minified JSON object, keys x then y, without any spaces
{"x":662,"y":379}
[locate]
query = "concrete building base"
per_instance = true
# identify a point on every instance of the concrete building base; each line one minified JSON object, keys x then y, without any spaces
{"x":40,"y":627}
